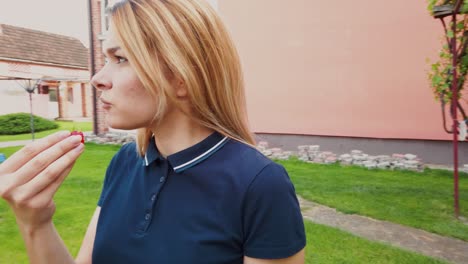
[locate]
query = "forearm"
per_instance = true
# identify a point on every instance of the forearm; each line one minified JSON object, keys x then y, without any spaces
{"x":44,"y":246}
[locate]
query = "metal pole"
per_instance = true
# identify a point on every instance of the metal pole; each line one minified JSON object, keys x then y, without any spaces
{"x":93,"y":66}
{"x":31,"y":114}
{"x":454,"y":113}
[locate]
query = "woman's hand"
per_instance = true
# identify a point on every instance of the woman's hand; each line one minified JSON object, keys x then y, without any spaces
{"x":30,"y":178}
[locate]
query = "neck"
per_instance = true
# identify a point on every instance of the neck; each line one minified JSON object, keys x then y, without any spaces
{"x":178,"y":132}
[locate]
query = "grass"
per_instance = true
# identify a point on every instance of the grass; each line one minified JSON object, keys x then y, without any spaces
{"x":63,"y":125}
{"x":330,"y":245}
{"x":76,"y":201}
{"x":421,"y":200}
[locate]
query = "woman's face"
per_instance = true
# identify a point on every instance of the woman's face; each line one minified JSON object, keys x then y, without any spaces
{"x":127,"y":104}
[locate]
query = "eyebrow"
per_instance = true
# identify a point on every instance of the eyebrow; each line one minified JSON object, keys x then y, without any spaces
{"x":111,"y":50}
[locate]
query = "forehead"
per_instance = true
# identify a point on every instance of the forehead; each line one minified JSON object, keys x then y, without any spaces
{"x":110,"y":41}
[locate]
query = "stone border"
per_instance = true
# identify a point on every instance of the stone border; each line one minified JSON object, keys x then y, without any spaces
{"x":306,"y":153}
{"x":312,"y":154}
{"x":110,"y":138}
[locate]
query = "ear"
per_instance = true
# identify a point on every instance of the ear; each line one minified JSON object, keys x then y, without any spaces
{"x":180,"y":88}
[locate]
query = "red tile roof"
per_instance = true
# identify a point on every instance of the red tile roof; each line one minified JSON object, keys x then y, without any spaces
{"x":39,"y":46}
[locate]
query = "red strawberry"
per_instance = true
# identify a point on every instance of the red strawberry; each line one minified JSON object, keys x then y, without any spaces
{"x":73,"y":133}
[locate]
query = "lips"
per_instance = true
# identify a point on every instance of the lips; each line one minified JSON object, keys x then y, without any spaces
{"x":105,"y":104}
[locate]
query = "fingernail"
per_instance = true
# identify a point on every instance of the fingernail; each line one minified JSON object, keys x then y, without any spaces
{"x":64,"y":134}
{"x":75,"y":139}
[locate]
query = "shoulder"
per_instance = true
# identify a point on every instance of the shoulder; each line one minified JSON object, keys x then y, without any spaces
{"x":272,"y":179}
{"x":245,"y":157}
{"x":252,"y":167}
{"x":260,"y":165}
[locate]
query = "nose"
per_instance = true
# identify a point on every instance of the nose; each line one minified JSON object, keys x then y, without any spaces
{"x":101,"y":80}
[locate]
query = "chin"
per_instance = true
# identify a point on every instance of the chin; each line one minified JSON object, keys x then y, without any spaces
{"x":122,"y":125}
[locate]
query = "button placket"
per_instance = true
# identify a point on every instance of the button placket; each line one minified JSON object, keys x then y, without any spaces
{"x":148,"y":216}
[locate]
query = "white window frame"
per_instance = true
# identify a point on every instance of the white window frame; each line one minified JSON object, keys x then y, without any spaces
{"x":104,"y":19}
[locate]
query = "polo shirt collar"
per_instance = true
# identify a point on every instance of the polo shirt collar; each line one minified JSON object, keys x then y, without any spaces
{"x":152,"y":153}
{"x":191,"y":156}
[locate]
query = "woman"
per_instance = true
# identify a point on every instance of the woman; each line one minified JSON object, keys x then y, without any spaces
{"x":192,"y":189}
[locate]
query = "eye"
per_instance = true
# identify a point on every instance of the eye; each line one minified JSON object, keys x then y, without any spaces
{"x":120,"y":59}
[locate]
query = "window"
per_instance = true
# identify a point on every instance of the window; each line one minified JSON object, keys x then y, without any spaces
{"x":43,"y":89}
{"x":53,"y":95}
{"x":105,"y":6}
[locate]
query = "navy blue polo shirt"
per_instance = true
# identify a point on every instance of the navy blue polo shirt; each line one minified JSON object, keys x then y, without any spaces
{"x":211,"y":203}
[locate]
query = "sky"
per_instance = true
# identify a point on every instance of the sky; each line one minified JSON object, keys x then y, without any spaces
{"x":64,"y":17}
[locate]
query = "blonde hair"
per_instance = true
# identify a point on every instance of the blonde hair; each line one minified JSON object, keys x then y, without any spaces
{"x":187,"y":39}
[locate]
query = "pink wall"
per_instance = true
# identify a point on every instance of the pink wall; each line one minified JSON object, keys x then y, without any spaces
{"x":340,"y":68}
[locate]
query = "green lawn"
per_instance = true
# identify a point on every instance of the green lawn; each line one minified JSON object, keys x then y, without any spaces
{"x":76,"y":201}
{"x":63,"y":125}
{"x":421,"y":200}
{"x":330,"y":245}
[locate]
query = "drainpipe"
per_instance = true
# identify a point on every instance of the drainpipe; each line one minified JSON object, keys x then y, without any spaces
{"x":93,"y":68}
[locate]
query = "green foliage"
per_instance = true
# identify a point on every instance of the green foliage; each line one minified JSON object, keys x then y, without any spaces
{"x":433,"y":3}
{"x":440,"y":74}
{"x":63,"y":125}
{"x":19,"y":123}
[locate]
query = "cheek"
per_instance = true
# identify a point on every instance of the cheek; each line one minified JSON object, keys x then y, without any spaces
{"x":136,"y":91}
{"x":140,"y":98}
{"x":130,"y":86}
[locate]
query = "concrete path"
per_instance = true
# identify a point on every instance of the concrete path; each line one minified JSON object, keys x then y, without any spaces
{"x":14,"y":143}
{"x":412,"y":239}
{"x":7,"y":144}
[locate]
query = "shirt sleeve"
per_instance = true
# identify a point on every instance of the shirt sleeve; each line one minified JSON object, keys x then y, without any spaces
{"x":273,"y":225}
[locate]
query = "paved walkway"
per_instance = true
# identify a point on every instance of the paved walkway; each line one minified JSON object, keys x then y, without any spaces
{"x":445,"y":248}
{"x":14,"y":143}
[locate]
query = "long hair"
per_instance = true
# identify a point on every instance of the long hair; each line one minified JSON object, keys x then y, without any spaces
{"x":187,"y":39}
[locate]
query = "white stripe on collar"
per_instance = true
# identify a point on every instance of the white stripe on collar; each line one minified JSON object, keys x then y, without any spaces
{"x":201,"y":156}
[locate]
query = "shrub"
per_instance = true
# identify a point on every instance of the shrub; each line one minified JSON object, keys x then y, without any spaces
{"x":19,"y":123}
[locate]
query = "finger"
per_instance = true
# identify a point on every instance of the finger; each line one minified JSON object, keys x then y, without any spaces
{"x":34,"y":196}
{"x":47,"y":194}
{"x":42,"y":161}
{"x":24,"y":155}
{"x":60,"y":167}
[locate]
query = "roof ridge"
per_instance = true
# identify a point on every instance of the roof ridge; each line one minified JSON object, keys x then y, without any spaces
{"x":34,"y":45}
{"x":39,"y":31}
